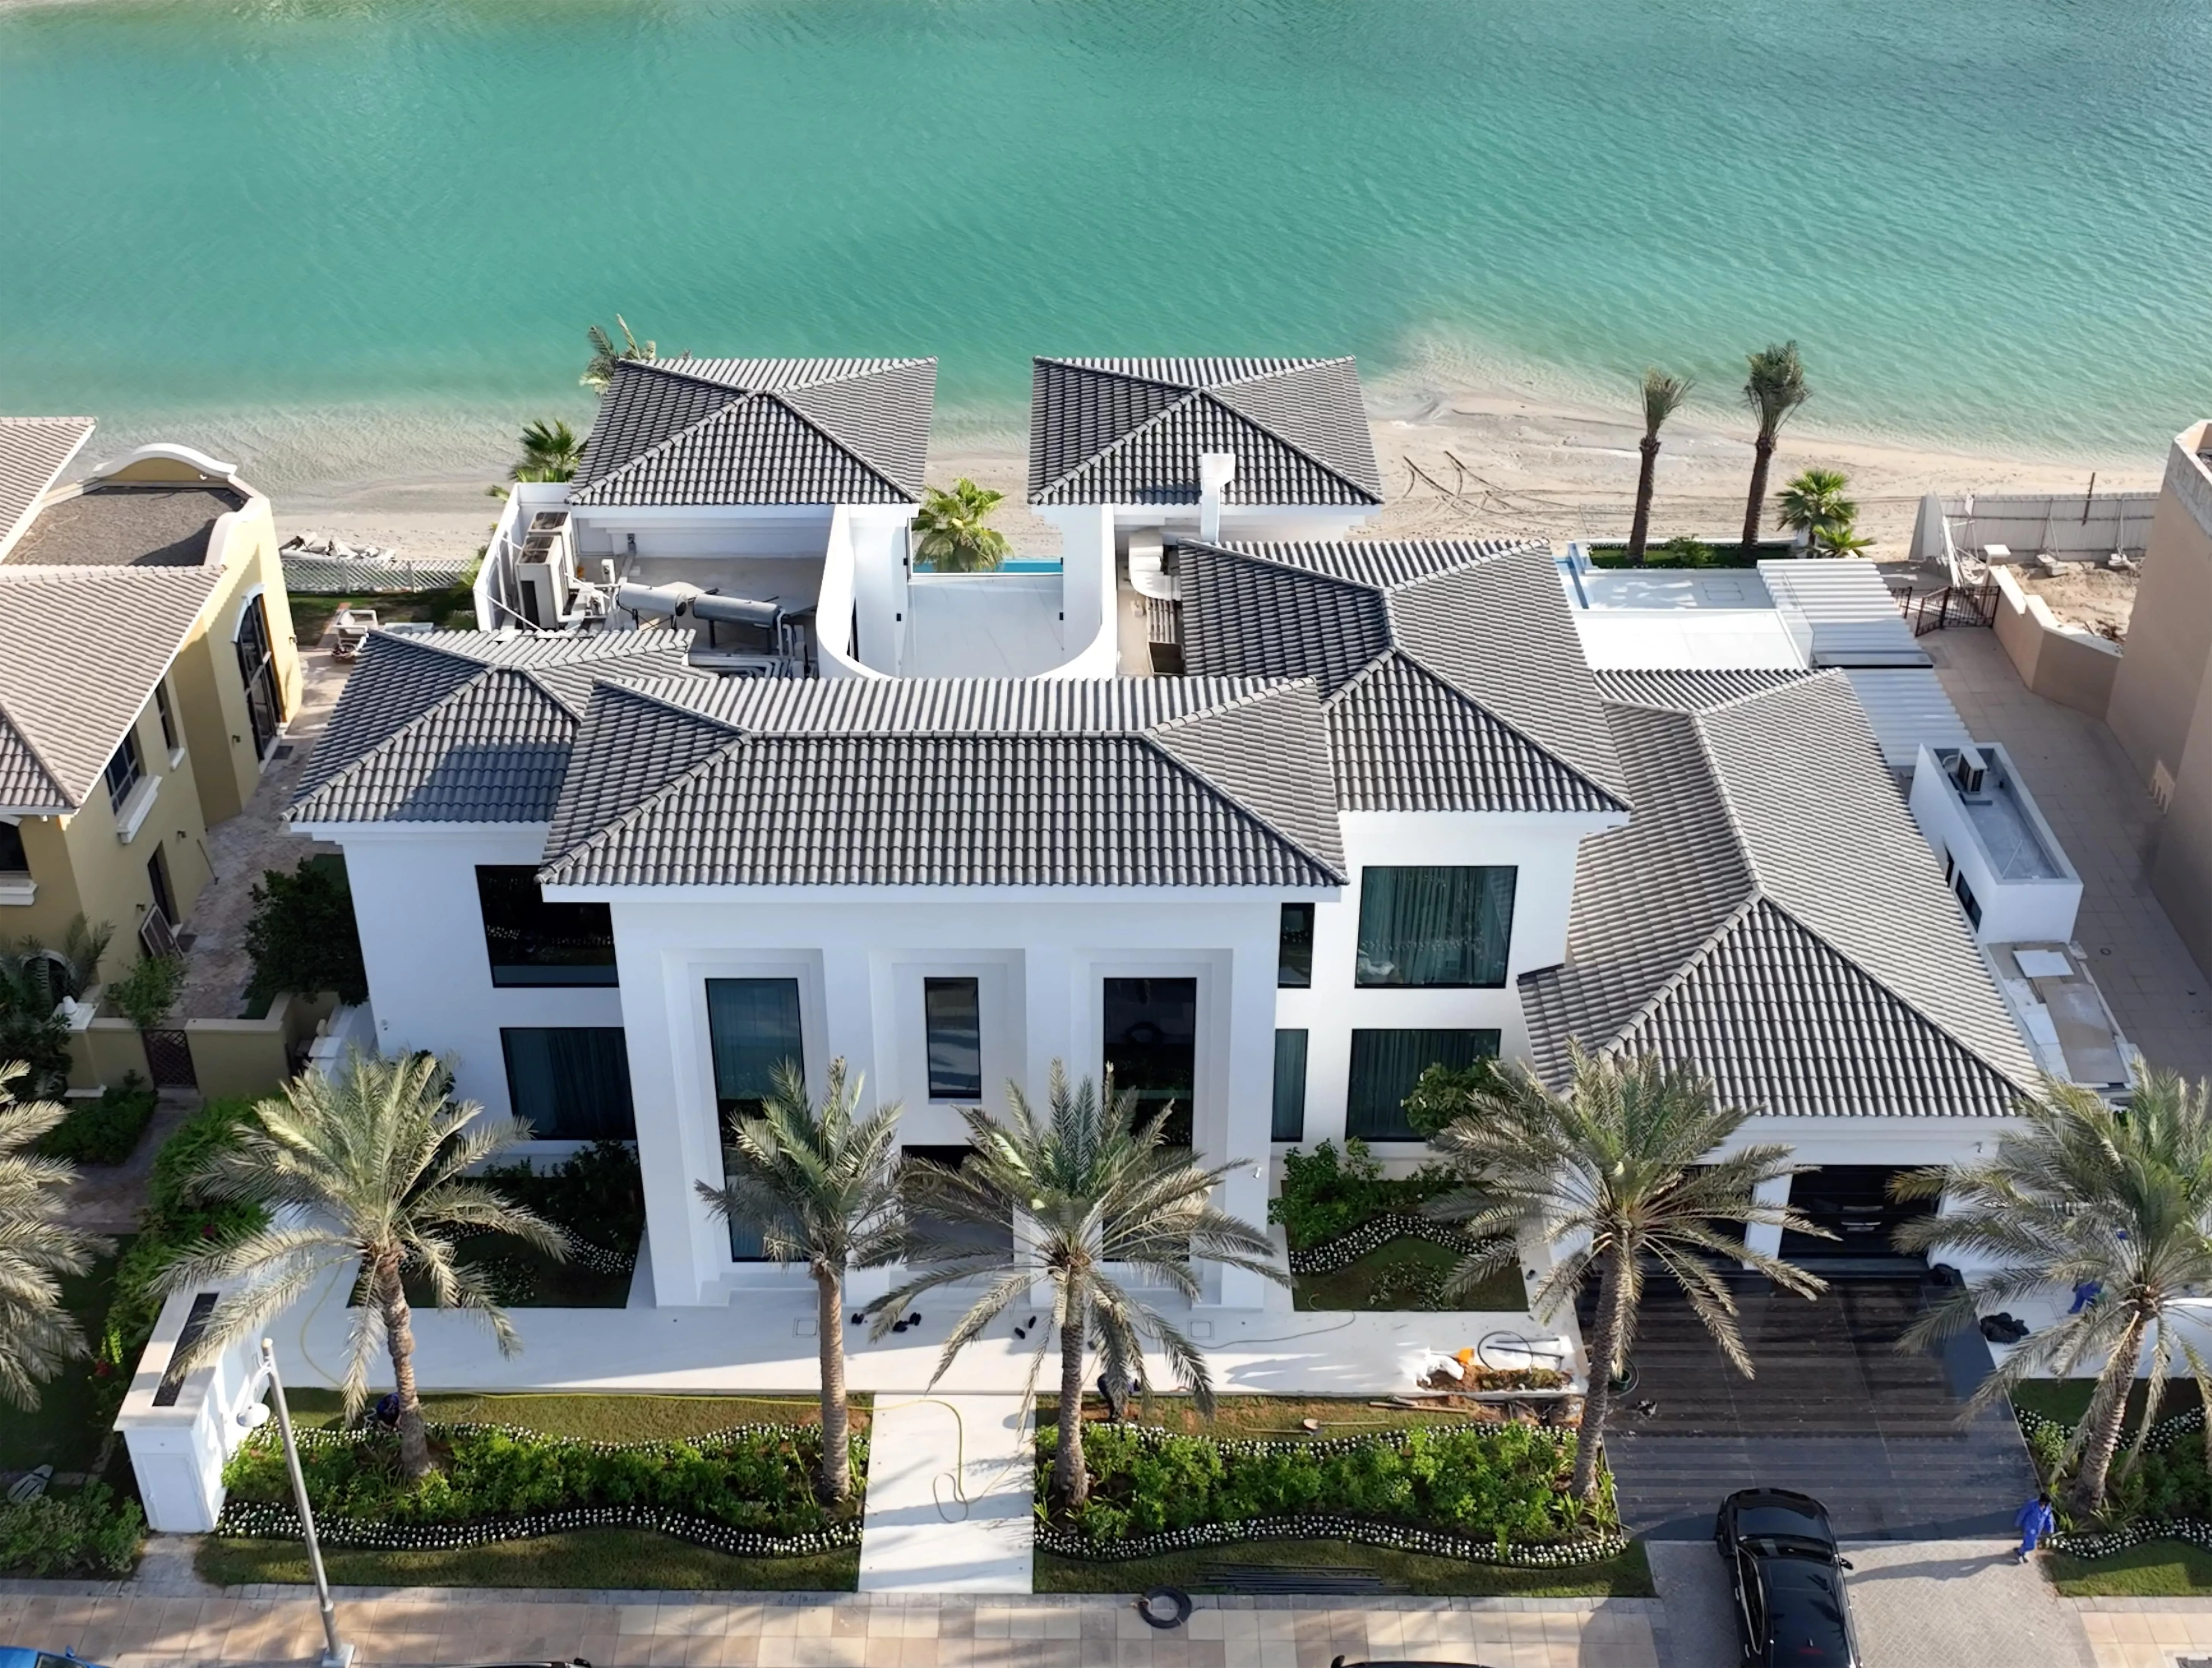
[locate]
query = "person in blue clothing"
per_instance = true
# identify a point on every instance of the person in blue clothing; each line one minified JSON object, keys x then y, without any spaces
{"x":2034,"y":1520}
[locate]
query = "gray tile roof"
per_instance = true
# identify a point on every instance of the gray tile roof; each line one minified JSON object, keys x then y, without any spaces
{"x":1771,"y":916}
{"x":33,"y":452}
{"x":1130,"y":430}
{"x":464,"y":726}
{"x":80,"y":650}
{"x":1691,"y":691}
{"x":760,"y":431}
{"x":950,"y":782}
{"x":1450,"y":671}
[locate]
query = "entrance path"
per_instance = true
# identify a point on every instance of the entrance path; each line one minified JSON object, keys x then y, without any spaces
{"x":1916,"y":1604}
{"x":950,"y":1479}
{"x":401,"y":1629}
{"x":2147,"y":1633}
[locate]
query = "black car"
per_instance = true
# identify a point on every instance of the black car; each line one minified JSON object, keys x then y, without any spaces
{"x":1786,"y":1579}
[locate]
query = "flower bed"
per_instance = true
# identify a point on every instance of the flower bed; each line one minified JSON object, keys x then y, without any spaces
{"x":1371,"y":1235}
{"x":1492,"y":1494}
{"x":89,"y":1532}
{"x":106,"y":1130}
{"x":748,"y":1490}
{"x":2168,"y":1496}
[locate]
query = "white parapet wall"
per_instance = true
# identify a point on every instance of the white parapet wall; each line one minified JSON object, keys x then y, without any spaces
{"x":2072,"y":526}
{"x":180,"y":1427}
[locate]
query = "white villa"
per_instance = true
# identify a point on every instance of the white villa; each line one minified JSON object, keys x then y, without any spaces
{"x":1264,"y":818}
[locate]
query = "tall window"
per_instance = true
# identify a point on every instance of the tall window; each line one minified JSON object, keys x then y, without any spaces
{"x":1289,"y":1120}
{"x":532,"y":941}
{"x":256,"y":670}
{"x":1435,"y":926}
{"x":168,"y":716}
{"x":14,"y":860}
{"x":1152,"y":1046}
{"x":752,"y":1028}
{"x":570,"y":1082}
{"x":952,"y":1019}
{"x":944,"y":1229}
{"x":125,"y":770}
{"x":1294,"y":947}
{"x":1385,"y":1066}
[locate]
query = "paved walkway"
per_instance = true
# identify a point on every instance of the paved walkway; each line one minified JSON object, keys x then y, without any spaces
{"x":950,"y":1482}
{"x":756,"y":1630}
{"x":2104,"y":816}
{"x":2147,"y":1633}
{"x":1916,"y":1604}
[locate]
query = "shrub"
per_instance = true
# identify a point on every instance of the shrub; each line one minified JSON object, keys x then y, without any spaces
{"x":303,"y":935}
{"x":1324,"y":1196}
{"x":88,"y":1533}
{"x":145,"y":994}
{"x":1492,"y":1483}
{"x":106,"y":1130}
{"x":596,"y":1193}
{"x":1444,"y":1092}
{"x":757,"y":1478}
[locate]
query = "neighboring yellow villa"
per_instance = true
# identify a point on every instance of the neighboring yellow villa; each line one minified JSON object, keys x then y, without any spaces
{"x":147,"y":669}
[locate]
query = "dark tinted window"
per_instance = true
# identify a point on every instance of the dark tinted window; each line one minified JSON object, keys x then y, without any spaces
{"x":752,"y":1028}
{"x":124,"y":770}
{"x":12,"y":859}
{"x":1290,"y":1120}
{"x":952,"y":1017}
{"x":1152,"y":1046}
{"x":1294,"y":953}
{"x":1385,"y":1066}
{"x":532,"y":941}
{"x":571,"y":1082}
{"x":1450,"y":927}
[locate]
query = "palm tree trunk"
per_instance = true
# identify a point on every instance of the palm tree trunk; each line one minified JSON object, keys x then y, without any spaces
{"x":1604,"y":1349}
{"x":1071,"y":1479}
{"x":1762,"y":456}
{"x":1644,"y":478}
{"x":399,"y":1339}
{"x":2094,"y":1467}
{"x":829,"y":1327}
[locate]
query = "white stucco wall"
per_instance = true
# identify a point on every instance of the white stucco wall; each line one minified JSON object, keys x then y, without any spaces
{"x":860,"y":957}
{"x":422,"y":939}
{"x":1542,"y":849}
{"x":2014,"y":912}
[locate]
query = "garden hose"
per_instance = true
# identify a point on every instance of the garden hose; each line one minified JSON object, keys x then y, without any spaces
{"x":960,"y":1453}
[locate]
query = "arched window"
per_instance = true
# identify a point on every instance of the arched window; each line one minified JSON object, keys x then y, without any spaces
{"x":257,"y":668}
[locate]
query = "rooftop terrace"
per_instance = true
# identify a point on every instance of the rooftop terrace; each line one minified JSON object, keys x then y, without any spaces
{"x":125,"y":527}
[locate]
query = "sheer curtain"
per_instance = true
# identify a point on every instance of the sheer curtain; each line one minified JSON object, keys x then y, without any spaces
{"x":752,"y":1026}
{"x":1385,"y":1066}
{"x":1435,"y":926}
{"x":570,"y":1082}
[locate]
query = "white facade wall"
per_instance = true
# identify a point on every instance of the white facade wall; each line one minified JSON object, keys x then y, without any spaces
{"x":423,"y":941}
{"x":1542,"y":849}
{"x":860,"y":957}
{"x":2014,"y":912}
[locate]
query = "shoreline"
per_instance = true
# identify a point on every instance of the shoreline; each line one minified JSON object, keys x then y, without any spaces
{"x":1458,"y":459}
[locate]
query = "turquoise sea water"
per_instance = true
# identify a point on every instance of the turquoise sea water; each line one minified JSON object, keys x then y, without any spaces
{"x":1984,"y":219}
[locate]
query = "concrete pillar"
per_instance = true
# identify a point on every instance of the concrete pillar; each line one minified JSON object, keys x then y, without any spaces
{"x":1766,"y":1238}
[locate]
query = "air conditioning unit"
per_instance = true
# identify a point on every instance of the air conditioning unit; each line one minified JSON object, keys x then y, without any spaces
{"x":545,"y":572}
{"x":1970,"y":770}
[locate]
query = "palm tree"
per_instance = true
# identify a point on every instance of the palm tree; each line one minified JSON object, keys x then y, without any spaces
{"x":822,"y":1186}
{"x":551,"y":452}
{"x":1089,"y":1187}
{"x":600,"y":370}
{"x":1814,"y":504}
{"x":37,"y":1247}
{"x":1845,"y":541}
{"x":1775,"y":388}
{"x":369,"y":1169}
{"x":2080,"y":1195}
{"x":954,"y":539}
{"x":1663,"y":396}
{"x":1617,"y":1171}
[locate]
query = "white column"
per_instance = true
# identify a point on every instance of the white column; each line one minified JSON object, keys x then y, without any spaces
{"x":1765,"y":1238}
{"x":1245,"y":998}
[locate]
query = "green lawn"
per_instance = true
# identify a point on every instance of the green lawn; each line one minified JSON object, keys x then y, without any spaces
{"x":1406,"y":1274}
{"x":1628,"y":1576}
{"x":2067,"y":1399}
{"x":65,"y":1429}
{"x":2156,"y":1569}
{"x":451,"y":608}
{"x":1236,"y":1417}
{"x":601,"y":1418}
{"x":585,"y":1558}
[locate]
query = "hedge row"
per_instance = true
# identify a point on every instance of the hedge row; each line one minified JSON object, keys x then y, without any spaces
{"x":757,"y":1479}
{"x":261,"y":1520}
{"x":1593,"y":1550}
{"x":88,"y":1533}
{"x":106,"y":1130}
{"x":1503,"y":1485}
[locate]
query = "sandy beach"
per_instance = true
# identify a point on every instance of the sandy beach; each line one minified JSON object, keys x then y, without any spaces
{"x":1456,"y":461}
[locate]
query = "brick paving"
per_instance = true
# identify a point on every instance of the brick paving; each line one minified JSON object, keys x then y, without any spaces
{"x":2147,"y":1633}
{"x":2104,"y":817}
{"x":757,"y":1630}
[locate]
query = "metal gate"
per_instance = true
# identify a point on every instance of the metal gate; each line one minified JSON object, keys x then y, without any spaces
{"x":169,"y":1058}
{"x":1950,"y":605}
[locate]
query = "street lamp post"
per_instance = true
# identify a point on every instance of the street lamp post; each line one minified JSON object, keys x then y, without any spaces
{"x":336,"y":1654}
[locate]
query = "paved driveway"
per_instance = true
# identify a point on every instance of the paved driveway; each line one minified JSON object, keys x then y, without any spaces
{"x":1916,"y":1603}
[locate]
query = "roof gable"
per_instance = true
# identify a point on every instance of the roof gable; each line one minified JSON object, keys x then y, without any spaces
{"x":1130,"y":431}
{"x":699,"y":432}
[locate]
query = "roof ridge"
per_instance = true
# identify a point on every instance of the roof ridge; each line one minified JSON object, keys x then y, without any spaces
{"x":1256,"y":552}
{"x":600,"y":834}
{"x":737,"y":396}
{"x":774,"y":396}
{"x":1092,"y":459}
{"x":1237,"y":805}
{"x":1115,"y":368}
{"x":1205,"y":394}
{"x":1511,"y":729}
{"x":1693,"y":962}
{"x":1762,"y":895}
{"x":484,"y":669}
{"x":529,"y":675}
